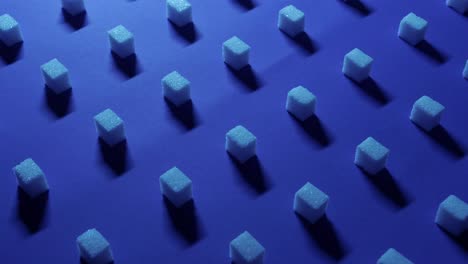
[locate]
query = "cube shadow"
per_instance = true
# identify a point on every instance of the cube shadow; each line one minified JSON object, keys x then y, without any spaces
{"x":116,"y":157}
{"x":184,"y":221}
{"x":60,"y":104}
{"x":187,"y":33}
{"x":431,"y":52}
{"x":373,"y":90}
{"x":304,"y":42}
{"x":445,"y":140}
{"x":11,"y":54}
{"x":185,"y":114}
{"x":358,"y":6}
{"x":253,"y":174}
{"x":324,"y":235}
{"x":128,"y":67}
{"x":315,"y":130}
{"x":388,"y":187}
{"x":32,"y":212}
{"x":75,"y":22}
{"x":246,"y":76}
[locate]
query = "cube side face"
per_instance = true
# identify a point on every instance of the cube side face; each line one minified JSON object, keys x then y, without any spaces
{"x":411,"y":34}
{"x":391,"y":256}
{"x":73,"y":7}
{"x":246,"y":249}
{"x":310,"y":202}
{"x":355,"y":71}
{"x":122,"y":49}
{"x":109,"y":127}
{"x":179,"y":12}
{"x":236,"y":53}
{"x":452,"y":215}
{"x":301,"y":103}
{"x":292,"y":27}
{"x":372,"y":164}
{"x":176,"y":88}
{"x":12,"y":36}
{"x":93,"y":247}
{"x":10,"y":32}
{"x":58,"y":84}
{"x":241,"y":153}
{"x":241,"y":144}
{"x":113,"y":136}
{"x":448,"y":222}
{"x":55,"y":76}
{"x":426,"y":113}
{"x":461,"y":6}
{"x":176,"y":186}
{"x":31,"y":178}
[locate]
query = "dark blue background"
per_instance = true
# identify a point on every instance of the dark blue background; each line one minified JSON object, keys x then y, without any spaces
{"x":365,"y":217}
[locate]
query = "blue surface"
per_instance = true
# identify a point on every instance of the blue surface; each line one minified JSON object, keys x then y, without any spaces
{"x":364,"y":218}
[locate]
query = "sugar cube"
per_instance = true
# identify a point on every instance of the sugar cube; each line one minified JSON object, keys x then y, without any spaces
{"x":179,"y":12}
{"x":73,"y":7}
{"x":357,"y":65}
{"x":291,"y":20}
{"x":236,"y":53}
{"x":371,"y":156}
{"x":121,"y":41}
{"x":241,"y":143}
{"x":176,"y":186}
{"x":176,"y":88}
{"x":461,"y":6}
{"x":310,"y":203}
{"x":31,"y":178}
{"x":452,"y":215}
{"x":55,"y":76}
{"x":110,"y":127}
{"x":10,"y":32}
{"x":245,"y":249}
{"x":301,"y":103}
{"x":412,"y":29}
{"x":426,"y":113}
{"x":94,"y":247}
{"x":391,"y":256}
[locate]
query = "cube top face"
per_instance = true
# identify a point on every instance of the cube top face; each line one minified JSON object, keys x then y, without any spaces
{"x":120,"y":34}
{"x":301,"y":95}
{"x":373,"y":149}
{"x":92,"y":242}
{"x":429,"y":106}
{"x":7,"y":22}
{"x":391,"y":256}
{"x":179,"y":5}
{"x":28,"y":171}
{"x":359,"y":58}
{"x":456,"y":207}
{"x":415,"y":22}
{"x":236,"y":46}
{"x":108,"y":120}
{"x":241,"y":136}
{"x":175,"y":81}
{"x":176,"y":179}
{"x":54,"y":68}
{"x":247,"y":246}
{"x":312,"y":196}
{"x":292,"y":13}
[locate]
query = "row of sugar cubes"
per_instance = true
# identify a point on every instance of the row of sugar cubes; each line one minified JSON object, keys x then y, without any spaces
{"x":291,"y":21}
{"x":310,"y":203}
